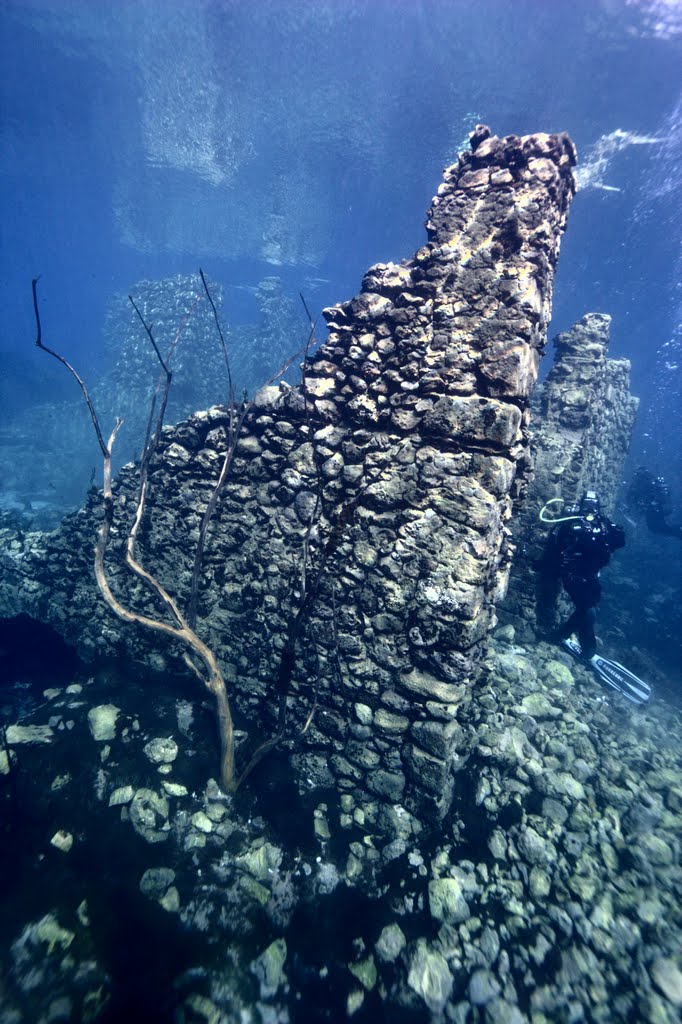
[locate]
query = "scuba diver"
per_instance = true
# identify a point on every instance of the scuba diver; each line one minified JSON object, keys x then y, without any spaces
{"x":650,"y":495}
{"x":577,"y":549}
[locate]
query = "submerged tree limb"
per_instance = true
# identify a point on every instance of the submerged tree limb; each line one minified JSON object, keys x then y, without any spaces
{"x":62,"y":360}
{"x":197,"y":655}
{"x":213,"y":678}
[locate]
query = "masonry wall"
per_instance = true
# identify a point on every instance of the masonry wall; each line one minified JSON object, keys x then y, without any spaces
{"x":402,"y":453}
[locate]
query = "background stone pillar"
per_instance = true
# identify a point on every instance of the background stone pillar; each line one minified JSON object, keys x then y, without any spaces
{"x":582,"y":420}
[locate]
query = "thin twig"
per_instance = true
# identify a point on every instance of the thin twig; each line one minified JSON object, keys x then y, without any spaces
{"x":221,"y":336}
{"x":62,"y":360}
{"x":149,"y":329}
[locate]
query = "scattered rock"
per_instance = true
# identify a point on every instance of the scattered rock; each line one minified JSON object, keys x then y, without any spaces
{"x":149,"y":815}
{"x":122,"y":795}
{"x":161,"y":751}
{"x":429,"y":976}
{"x":447,"y":901}
{"x":17,"y":735}
{"x":668,"y":979}
{"x":102,"y":722}
{"x":483,"y":986}
{"x":62,"y":840}
{"x":269,"y":967}
{"x":365,"y":971}
{"x":201,"y":821}
{"x":538,"y":706}
{"x":157,"y":884}
{"x":390,"y":943}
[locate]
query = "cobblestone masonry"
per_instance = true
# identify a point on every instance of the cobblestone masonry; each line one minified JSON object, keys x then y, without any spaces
{"x":408,"y":445}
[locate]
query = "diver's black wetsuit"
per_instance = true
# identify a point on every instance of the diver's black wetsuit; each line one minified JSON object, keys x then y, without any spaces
{"x":651,"y":496}
{"x":576,"y":552}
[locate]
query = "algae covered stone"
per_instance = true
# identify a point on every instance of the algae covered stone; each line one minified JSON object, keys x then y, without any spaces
{"x":49,"y":933}
{"x":16,"y":735}
{"x":446,"y":900}
{"x":539,"y":706}
{"x":483,"y":986}
{"x":202,"y":822}
{"x":429,"y":976}
{"x":365,"y":971}
{"x":162,"y":750}
{"x":390,"y":943}
{"x":534,"y":848}
{"x":102,"y":722}
{"x":122,"y":795}
{"x":62,"y":840}
{"x":269,"y":967}
{"x":557,"y":674}
{"x":157,"y":883}
{"x":511,"y":745}
{"x":149,"y":815}
{"x":668,"y":979}
{"x":261,"y":861}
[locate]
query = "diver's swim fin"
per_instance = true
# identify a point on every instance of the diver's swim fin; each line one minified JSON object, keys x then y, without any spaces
{"x":613,"y":674}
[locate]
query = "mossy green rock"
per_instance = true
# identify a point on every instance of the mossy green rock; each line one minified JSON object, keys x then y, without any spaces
{"x":557,"y":674}
{"x":254,"y":889}
{"x":667,"y":977}
{"x":149,"y":815}
{"x":161,"y":750}
{"x":537,"y":705}
{"x":534,"y":848}
{"x":565,"y":785}
{"x":510,"y":745}
{"x":390,"y":943}
{"x":28,"y":734}
{"x":516,"y":668}
{"x":262,"y":861}
{"x":429,"y":976}
{"x":540,"y":883}
{"x":446,"y":900}
{"x":102,"y":722}
{"x":366,"y":972}
{"x":656,"y":850}
{"x":49,"y":931}
{"x":269,"y":967}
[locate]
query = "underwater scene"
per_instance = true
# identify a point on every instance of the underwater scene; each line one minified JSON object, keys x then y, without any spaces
{"x":341,"y":512}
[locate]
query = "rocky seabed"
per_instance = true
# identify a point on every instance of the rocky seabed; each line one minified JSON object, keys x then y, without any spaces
{"x":550,"y":893}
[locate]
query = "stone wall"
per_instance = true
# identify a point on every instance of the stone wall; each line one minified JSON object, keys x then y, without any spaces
{"x":582,"y":420}
{"x":401,"y":452}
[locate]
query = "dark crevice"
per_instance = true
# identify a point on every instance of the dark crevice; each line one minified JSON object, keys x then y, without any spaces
{"x":30,"y":651}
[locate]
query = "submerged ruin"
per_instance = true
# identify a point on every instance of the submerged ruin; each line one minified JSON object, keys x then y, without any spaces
{"x":404,"y":449}
{"x":450,"y":826}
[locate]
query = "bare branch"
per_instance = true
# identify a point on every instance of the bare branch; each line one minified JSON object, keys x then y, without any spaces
{"x":149,"y":329}
{"x":62,"y":360}
{"x":222,"y":338}
{"x":214,"y":680}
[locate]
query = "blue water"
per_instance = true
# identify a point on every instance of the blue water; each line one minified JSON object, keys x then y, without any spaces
{"x":304,"y":140}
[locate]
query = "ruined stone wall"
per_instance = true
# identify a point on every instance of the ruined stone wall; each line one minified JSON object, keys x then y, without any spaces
{"x":402,"y":452}
{"x":581,"y":422}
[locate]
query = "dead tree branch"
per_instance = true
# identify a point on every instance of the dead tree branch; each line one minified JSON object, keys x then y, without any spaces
{"x":213,"y":678}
